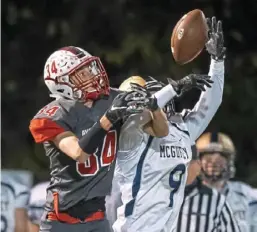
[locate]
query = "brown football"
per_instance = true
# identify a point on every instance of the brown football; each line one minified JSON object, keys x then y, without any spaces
{"x":189,"y":36}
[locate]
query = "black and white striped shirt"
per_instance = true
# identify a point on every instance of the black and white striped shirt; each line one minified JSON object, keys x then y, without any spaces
{"x":205,"y":210}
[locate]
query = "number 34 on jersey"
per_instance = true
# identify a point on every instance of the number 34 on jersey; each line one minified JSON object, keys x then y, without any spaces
{"x":103,"y":157}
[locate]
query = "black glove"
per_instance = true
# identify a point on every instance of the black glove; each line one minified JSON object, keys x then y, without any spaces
{"x":191,"y":81}
{"x":153,"y":85}
{"x":149,"y":101}
{"x":124,"y":104}
{"x":215,"y":44}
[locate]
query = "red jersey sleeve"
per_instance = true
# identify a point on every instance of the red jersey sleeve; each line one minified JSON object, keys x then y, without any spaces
{"x":44,"y":129}
{"x":50,"y":121}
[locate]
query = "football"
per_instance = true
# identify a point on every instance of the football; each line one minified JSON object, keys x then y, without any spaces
{"x":189,"y":37}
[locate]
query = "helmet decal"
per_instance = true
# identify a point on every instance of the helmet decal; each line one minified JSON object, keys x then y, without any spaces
{"x":63,"y":76}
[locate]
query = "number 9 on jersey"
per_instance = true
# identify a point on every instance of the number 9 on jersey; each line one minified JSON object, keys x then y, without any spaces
{"x":175,"y":180}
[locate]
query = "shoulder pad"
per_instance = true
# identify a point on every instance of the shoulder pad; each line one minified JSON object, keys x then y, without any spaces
{"x":56,"y":109}
{"x":53,"y":119}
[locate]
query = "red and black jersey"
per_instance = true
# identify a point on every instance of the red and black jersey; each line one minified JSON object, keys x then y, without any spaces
{"x":73,"y":181}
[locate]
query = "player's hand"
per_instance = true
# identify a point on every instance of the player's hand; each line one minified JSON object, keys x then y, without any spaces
{"x":189,"y":82}
{"x":153,"y":85}
{"x":149,"y":101}
{"x":215,"y":44}
{"x":124,"y":104}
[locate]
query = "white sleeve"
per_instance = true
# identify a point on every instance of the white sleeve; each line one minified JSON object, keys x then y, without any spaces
{"x":253,"y":210}
{"x":253,"y":216}
{"x":164,"y":95}
{"x":132,"y":135}
{"x":113,"y":201}
{"x":198,"y":119}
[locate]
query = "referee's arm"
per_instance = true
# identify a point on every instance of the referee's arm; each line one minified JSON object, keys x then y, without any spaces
{"x":227,"y":221}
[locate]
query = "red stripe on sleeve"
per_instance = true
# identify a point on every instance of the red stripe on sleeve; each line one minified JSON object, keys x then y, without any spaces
{"x":43,"y":129}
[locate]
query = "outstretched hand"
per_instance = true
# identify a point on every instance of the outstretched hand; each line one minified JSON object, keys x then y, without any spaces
{"x":189,"y":82}
{"x":215,"y":44}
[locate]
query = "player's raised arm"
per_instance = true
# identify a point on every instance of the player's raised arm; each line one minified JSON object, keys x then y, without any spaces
{"x":54,"y":124}
{"x":178,"y":88}
{"x":198,"y":119}
{"x":153,"y":120}
{"x":118,"y":110}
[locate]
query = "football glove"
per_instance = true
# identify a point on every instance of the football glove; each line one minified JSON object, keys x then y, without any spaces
{"x":215,"y":44}
{"x":153,"y":85}
{"x":149,"y":101}
{"x":124,"y":104}
{"x":189,"y":82}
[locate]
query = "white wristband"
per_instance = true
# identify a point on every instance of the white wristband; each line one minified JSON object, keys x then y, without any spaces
{"x":217,"y":65}
{"x":165,"y":95}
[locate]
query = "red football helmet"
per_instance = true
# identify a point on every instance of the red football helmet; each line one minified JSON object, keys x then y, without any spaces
{"x":73,"y":73}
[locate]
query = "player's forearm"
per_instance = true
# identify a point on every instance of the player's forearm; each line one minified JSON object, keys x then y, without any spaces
{"x":212,"y":97}
{"x":81,"y":149}
{"x":165,"y":95}
{"x":68,"y":143}
{"x":105,"y":123}
{"x":89,"y":143}
{"x":158,"y":126}
{"x":209,"y":102}
{"x":160,"y":123}
{"x":93,"y":140}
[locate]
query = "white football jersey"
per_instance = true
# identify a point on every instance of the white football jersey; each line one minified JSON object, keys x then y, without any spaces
{"x":112,"y":202}
{"x":14,"y":195}
{"x":152,"y":172}
{"x":243,"y":203}
{"x":152,"y":177}
{"x":37,"y":202}
{"x":253,"y":210}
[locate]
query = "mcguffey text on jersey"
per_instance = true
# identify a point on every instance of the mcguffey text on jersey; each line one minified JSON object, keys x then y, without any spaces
{"x":168,"y":151}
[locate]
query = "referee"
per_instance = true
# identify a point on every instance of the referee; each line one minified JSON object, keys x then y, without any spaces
{"x":204,"y":209}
